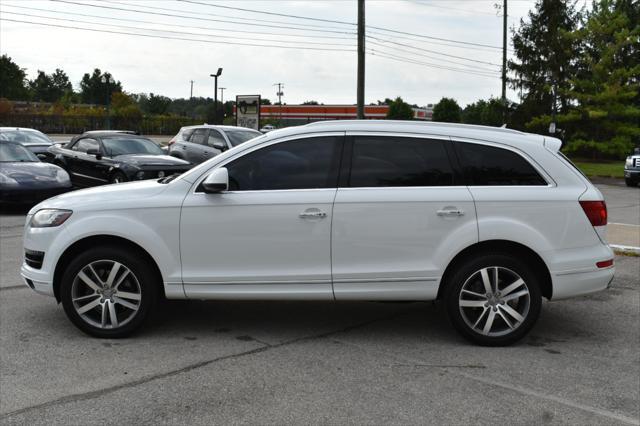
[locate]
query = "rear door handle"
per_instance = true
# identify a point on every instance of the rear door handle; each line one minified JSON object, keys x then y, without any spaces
{"x":450,"y":212}
{"x":312,"y":214}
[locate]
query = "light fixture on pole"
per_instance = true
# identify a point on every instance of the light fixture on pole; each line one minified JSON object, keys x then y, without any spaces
{"x":108,"y":81}
{"x":215,"y":95}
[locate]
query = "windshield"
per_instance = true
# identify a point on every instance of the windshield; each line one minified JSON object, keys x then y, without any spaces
{"x":236,"y":137}
{"x":127,"y":145}
{"x":24,"y":137}
{"x":13,"y":152}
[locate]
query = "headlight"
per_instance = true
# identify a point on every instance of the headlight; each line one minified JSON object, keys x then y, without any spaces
{"x":62,"y":176}
{"x":629,"y":162}
{"x":46,"y":218}
{"x":140,"y":175}
{"x":8,"y":181}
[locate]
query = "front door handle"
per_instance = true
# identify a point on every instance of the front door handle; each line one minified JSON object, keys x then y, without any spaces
{"x":450,"y":212}
{"x":312,"y":214}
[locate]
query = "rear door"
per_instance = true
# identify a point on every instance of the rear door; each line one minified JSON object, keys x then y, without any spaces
{"x":399,"y":217}
{"x":194,"y":148}
{"x":214,"y":138}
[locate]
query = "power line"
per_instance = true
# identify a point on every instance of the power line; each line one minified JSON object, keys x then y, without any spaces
{"x":342,"y":22}
{"x":432,"y":51}
{"x":426,"y":64}
{"x":268,"y":13}
{"x":174,"y":32}
{"x":199,"y":19}
{"x":174,"y":38}
{"x":453,"y":8}
{"x":178,"y":25}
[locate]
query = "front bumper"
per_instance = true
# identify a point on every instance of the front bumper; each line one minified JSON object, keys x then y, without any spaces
{"x":632,"y":173}
{"x":36,"y":280}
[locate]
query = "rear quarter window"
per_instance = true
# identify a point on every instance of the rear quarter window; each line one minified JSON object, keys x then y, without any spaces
{"x":485,"y":165}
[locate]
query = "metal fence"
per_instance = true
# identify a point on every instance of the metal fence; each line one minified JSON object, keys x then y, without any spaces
{"x":76,"y":124}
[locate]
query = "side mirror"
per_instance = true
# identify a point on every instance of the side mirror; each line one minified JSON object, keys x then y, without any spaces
{"x":95,"y":152}
{"x":42,"y":157}
{"x":217,"y":181}
{"x":219,"y":146}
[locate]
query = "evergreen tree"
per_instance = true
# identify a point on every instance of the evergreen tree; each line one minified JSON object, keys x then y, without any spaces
{"x":12,"y":80}
{"x":399,"y":110}
{"x":447,"y":110}
{"x":94,"y":91}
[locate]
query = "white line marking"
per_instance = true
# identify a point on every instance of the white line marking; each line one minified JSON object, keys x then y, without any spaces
{"x":624,"y":224}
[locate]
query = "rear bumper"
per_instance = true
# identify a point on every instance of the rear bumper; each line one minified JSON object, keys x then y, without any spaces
{"x":579,"y":284}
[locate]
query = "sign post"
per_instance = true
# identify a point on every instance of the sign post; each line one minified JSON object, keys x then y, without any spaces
{"x":248,"y":111}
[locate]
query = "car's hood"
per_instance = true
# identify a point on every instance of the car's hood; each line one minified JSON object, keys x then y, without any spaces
{"x":31,"y":172}
{"x":105,"y":197}
{"x":151,"y":160}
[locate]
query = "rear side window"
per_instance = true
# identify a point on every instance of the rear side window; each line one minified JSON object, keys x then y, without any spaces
{"x":297,"y":164}
{"x":380,"y":161}
{"x":199,"y":136}
{"x":186,"y":134}
{"x":490,"y":166}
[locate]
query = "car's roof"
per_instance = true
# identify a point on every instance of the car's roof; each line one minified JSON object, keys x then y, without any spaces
{"x":215,"y":126}
{"x":487,"y":133}
{"x":110,"y":133}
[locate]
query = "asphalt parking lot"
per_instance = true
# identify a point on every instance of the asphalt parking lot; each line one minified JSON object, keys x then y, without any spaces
{"x":277,"y":362}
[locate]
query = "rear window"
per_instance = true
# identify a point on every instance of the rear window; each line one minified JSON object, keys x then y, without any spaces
{"x":380,"y":161}
{"x":485,"y":165}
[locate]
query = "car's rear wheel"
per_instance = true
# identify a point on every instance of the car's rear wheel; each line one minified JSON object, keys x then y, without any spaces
{"x":493,"y":300}
{"x":109,"y":292}
{"x":118,"y":177}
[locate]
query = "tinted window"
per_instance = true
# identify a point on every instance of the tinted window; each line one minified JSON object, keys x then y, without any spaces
{"x":298,"y":164}
{"x":488,"y":165}
{"x":199,"y":136}
{"x":128,"y":145}
{"x":215,"y":136}
{"x":83,"y":145}
{"x":238,"y":136}
{"x":398,"y":161}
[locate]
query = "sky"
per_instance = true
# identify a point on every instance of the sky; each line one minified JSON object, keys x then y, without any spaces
{"x":421,"y":67}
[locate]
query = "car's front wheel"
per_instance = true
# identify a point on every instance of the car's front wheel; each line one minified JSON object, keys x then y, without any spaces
{"x":493,"y":300}
{"x":630,"y":182}
{"x":118,"y":177}
{"x":108,"y":292}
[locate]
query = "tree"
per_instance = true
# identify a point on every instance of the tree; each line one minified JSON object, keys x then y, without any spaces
{"x":12,"y":80}
{"x":153,"y":104}
{"x":447,"y":110}
{"x":399,"y":110}
{"x":605,"y":119}
{"x":486,"y":113}
{"x":545,"y":48}
{"x":50,"y":88}
{"x":94,"y":91}
{"x":310,"y":103}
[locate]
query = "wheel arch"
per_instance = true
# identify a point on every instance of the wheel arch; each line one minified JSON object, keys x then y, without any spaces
{"x":532,"y":258}
{"x":100,"y":240}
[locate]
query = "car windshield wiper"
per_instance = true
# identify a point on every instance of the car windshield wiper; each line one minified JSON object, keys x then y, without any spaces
{"x":168,"y":179}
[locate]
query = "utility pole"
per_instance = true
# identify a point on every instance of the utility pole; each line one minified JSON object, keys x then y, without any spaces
{"x":280,"y":86}
{"x":504,"y":62}
{"x":361,"y":35}
{"x":191,"y":93}
{"x":222,"y":89}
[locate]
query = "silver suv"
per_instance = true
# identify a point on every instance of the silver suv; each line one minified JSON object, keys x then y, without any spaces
{"x":632,"y":168}
{"x":200,"y":143}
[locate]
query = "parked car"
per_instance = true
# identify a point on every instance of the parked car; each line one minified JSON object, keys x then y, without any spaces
{"x":36,"y":141}
{"x":488,"y":220}
{"x":267,"y":128}
{"x":25,"y":179}
{"x":97,"y":158}
{"x":632,"y":168}
{"x":200,"y":143}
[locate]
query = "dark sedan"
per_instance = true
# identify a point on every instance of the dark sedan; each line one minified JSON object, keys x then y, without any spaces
{"x":35,"y":141}
{"x":25,"y":179}
{"x":98,"y":158}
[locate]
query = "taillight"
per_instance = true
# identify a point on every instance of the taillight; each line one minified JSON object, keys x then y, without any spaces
{"x":171,"y":142}
{"x":596,"y":212}
{"x":605,"y":263}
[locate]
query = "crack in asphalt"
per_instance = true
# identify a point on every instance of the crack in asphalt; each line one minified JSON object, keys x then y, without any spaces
{"x":266,"y":346}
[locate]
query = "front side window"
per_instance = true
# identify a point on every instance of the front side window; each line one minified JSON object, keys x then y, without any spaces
{"x":84,"y":145}
{"x":215,"y":137}
{"x":126,"y":145}
{"x":485,"y":165}
{"x":297,"y":164}
{"x":381,"y":161}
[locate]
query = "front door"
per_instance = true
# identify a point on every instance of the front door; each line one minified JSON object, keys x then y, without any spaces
{"x":401,"y":217}
{"x":269,"y":235}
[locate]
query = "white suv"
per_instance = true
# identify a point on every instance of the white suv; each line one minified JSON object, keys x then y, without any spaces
{"x":488,"y":220}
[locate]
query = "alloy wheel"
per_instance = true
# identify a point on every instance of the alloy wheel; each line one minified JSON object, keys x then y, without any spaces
{"x":494,"y":301}
{"x":106,"y":294}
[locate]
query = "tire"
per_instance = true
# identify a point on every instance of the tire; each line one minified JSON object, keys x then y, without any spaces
{"x":91,"y":301}
{"x":630,"y":182}
{"x":512,"y":314}
{"x":118,"y":177}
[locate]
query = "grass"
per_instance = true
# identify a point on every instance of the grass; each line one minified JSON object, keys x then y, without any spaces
{"x":601,"y":168}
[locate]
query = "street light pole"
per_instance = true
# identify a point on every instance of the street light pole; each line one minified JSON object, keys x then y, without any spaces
{"x":107,"y":80}
{"x":361,"y":56}
{"x":215,"y":95}
{"x":222,"y":89}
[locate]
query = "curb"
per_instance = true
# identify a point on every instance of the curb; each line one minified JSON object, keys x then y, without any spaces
{"x":620,"y":249}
